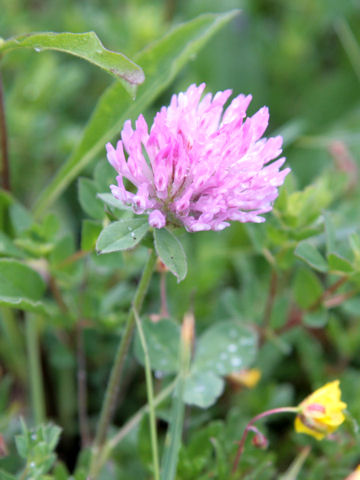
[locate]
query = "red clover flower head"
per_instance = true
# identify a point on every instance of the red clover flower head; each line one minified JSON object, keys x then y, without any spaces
{"x":199,"y":166}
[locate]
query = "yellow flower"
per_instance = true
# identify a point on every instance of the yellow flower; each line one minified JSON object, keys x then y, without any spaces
{"x":321,"y":412}
{"x":248,"y":378}
{"x":354,"y":475}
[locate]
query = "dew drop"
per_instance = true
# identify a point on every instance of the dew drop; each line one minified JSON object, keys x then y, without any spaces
{"x":236,"y":362}
{"x":37,"y":49}
{"x":232,"y":347}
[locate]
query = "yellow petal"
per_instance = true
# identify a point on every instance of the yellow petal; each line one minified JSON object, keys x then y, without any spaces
{"x":354,"y":475}
{"x":249,"y":378}
{"x":321,"y":412}
{"x":300,"y":427}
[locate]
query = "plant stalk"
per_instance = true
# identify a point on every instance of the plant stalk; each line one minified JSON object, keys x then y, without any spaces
{"x":248,"y":428}
{"x":35,"y":375}
{"x":150,"y":396}
{"x":5,"y":164}
{"x":173,"y":437}
{"x":116,"y":372}
{"x":130,"y":424}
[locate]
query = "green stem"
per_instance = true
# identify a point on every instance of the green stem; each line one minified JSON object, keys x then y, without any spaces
{"x":66,"y":404}
{"x":350,"y":44}
{"x":5,"y":167}
{"x":173,"y":437}
{"x":130,"y":425}
{"x":12,"y":346}
{"x":115,"y":376}
{"x":150,"y":396}
{"x":35,"y":375}
{"x":295,"y":468}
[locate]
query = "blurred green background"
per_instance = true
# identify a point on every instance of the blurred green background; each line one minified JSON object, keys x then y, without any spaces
{"x":299,"y":58}
{"x":302,"y":59}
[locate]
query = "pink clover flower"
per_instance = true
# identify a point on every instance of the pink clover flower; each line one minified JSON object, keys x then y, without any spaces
{"x":199,"y":166}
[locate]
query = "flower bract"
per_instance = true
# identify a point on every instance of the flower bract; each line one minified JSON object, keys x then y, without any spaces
{"x":200,"y":165}
{"x":248,"y":377}
{"x":321,"y":413}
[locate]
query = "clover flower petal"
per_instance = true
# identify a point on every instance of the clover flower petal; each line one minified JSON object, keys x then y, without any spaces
{"x":200,"y":166}
{"x":321,"y":412}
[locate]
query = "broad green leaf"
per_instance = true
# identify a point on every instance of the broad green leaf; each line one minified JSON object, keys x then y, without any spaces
{"x":307,"y":288}
{"x":7,"y":248}
{"x":20,"y":286}
{"x":6,"y":476}
{"x":330,"y":233}
{"x":317,"y":319}
{"x":162,"y":339}
{"x":337,"y":263}
{"x":119,"y":296}
{"x":87,"y":192}
{"x":90,"y":232}
{"x":196,"y":454}
{"x":63,"y":249}
{"x":171,"y":252}
{"x":161,"y":62}
{"x":122,"y":235}
{"x":203,"y":388}
{"x":20,"y":217}
{"x":354,"y":240}
{"x":84,"y":45}
{"x":34,"y":247}
{"x":224,"y":348}
{"x":61,"y":472}
{"x":307,"y":252}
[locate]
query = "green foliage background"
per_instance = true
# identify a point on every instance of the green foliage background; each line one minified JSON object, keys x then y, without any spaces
{"x":302,"y":59}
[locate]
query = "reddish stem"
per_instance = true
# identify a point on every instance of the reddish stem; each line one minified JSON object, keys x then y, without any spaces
{"x":164,"y":312}
{"x":330,"y":290}
{"x":249,"y":427}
